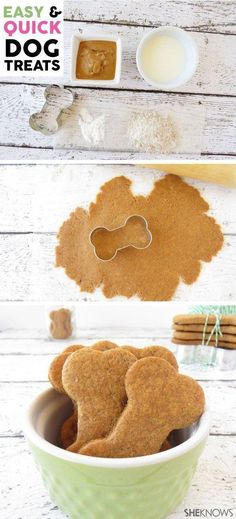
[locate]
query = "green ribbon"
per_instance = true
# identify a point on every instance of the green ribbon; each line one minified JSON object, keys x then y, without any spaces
{"x":218,"y":311}
{"x":216,"y":332}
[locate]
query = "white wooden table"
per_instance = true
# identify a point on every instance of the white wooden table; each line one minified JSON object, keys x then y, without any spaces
{"x":212,"y":24}
{"x":36,"y":200}
{"x":25,"y":354}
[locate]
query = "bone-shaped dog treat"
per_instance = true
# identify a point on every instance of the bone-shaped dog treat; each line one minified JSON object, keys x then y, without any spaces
{"x":100,"y":346}
{"x":165,"y":446}
{"x":107,"y":242}
{"x":153,"y":351}
{"x":55,"y":370}
{"x":96,"y":382}
{"x":159,"y":401}
{"x":68,"y":431}
{"x":60,"y":325}
{"x":57,"y":100}
{"x":72,"y":348}
{"x":104,"y":346}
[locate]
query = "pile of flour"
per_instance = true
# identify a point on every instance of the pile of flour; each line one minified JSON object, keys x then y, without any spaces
{"x":92,"y":128}
{"x":148,"y":131}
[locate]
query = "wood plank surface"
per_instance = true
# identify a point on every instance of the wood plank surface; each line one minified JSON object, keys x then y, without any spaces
{"x":17,"y":102}
{"x":20,"y":154}
{"x":28,"y":193}
{"x":206,"y":16}
{"x":214,"y":28}
{"x":33,"y":366}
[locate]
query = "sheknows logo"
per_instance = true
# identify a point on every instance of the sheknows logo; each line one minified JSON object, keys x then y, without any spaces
{"x":32,"y":38}
{"x":213,"y":512}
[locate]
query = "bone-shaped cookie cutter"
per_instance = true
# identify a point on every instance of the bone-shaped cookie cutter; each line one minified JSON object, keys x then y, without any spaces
{"x":108,"y":242}
{"x":57,"y":100}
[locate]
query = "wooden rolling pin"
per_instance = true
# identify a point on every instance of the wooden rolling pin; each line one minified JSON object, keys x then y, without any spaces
{"x":224,"y":174}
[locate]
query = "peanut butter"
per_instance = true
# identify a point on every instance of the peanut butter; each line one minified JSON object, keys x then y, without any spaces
{"x":96,"y":60}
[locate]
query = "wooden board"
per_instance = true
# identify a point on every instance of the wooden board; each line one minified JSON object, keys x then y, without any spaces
{"x":28,"y":193}
{"x":207,"y":16}
{"x":27,"y":155}
{"x":213,"y":26}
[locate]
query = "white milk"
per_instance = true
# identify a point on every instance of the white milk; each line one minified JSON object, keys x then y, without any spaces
{"x":163,"y":58}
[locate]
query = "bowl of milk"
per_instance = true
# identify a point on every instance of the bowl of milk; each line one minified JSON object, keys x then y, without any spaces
{"x":167,"y":57}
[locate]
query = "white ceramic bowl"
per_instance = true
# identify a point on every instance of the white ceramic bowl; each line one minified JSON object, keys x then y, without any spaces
{"x":191,"y":61}
{"x":76,"y":39}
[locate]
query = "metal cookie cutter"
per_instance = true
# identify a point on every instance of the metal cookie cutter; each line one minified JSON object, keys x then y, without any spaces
{"x":57,"y":100}
{"x":108,"y":242}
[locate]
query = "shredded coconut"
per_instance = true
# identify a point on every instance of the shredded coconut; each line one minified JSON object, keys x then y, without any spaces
{"x":149,"y":131}
{"x":93,"y":129}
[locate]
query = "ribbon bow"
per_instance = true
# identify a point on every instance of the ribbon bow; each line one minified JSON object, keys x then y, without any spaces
{"x":216,"y":330}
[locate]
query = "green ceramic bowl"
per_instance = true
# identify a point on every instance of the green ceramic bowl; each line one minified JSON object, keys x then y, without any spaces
{"x":100,"y":488}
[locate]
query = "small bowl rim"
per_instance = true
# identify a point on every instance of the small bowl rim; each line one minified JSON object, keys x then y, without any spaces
{"x":176,"y":82}
{"x":86,"y":36}
{"x":33,"y":437}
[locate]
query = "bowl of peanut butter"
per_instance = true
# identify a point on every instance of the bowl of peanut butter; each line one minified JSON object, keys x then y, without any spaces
{"x":96,"y":59}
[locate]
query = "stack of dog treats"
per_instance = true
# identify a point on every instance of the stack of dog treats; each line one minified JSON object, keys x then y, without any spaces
{"x":201,"y":329}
